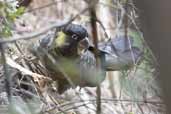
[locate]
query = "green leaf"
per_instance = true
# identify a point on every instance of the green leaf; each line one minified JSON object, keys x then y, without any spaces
{"x":6,"y":31}
{"x":20,"y":11}
{"x":11,"y":16}
{"x":137,"y":38}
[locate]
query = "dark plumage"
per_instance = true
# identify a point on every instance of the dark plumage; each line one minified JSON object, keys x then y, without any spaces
{"x":90,"y":74}
{"x":118,"y":55}
{"x":81,"y":68}
{"x":76,"y":31}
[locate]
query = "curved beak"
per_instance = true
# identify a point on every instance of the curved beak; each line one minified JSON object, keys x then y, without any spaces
{"x":84,"y":44}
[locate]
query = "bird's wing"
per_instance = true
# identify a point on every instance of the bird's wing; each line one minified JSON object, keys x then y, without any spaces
{"x":90,"y":74}
{"x":126,"y":53}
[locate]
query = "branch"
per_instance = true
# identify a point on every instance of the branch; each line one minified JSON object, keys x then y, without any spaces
{"x":93,"y":18}
{"x":103,"y":100}
{"x":42,"y":31}
{"x":34,"y":34}
{"x":15,"y":65}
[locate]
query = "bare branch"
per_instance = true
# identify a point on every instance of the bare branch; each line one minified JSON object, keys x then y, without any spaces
{"x":103,"y":100}
{"x":93,"y":18}
{"x":42,"y":31}
{"x":15,"y":65}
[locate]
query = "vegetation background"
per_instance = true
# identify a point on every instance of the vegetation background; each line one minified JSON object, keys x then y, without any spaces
{"x":134,"y":91}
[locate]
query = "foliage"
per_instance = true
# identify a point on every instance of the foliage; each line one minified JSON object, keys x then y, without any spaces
{"x":8,"y":13}
{"x":142,"y":75}
{"x":135,"y":83}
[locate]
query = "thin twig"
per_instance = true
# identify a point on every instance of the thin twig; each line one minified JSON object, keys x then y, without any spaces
{"x":70,"y":108}
{"x":116,"y":100}
{"x":42,"y":31}
{"x":95,"y":42}
{"x":55,"y":102}
{"x":126,"y":31}
{"x":139,"y":106}
{"x":15,"y":65}
{"x":103,"y":100}
{"x":18,"y":48}
{"x":26,"y":92}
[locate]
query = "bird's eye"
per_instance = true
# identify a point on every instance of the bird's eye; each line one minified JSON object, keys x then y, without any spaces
{"x":75,"y":37}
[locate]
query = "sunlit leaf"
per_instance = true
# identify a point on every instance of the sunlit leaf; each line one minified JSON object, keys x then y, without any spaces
{"x":6,"y":31}
{"x":20,"y":11}
{"x":137,"y":39}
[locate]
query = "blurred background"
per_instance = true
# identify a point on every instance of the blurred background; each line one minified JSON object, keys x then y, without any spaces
{"x":128,"y":91}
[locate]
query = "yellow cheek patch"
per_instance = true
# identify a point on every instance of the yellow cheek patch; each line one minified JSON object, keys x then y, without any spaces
{"x":60,"y":40}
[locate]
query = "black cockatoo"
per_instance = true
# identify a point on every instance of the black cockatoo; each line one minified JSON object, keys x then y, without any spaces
{"x":80,"y":67}
{"x":116,"y":54}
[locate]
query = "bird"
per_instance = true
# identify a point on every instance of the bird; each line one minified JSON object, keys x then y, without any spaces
{"x":120,"y":53}
{"x":70,"y":66}
{"x":91,"y":74}
{"x":80,"y":68}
